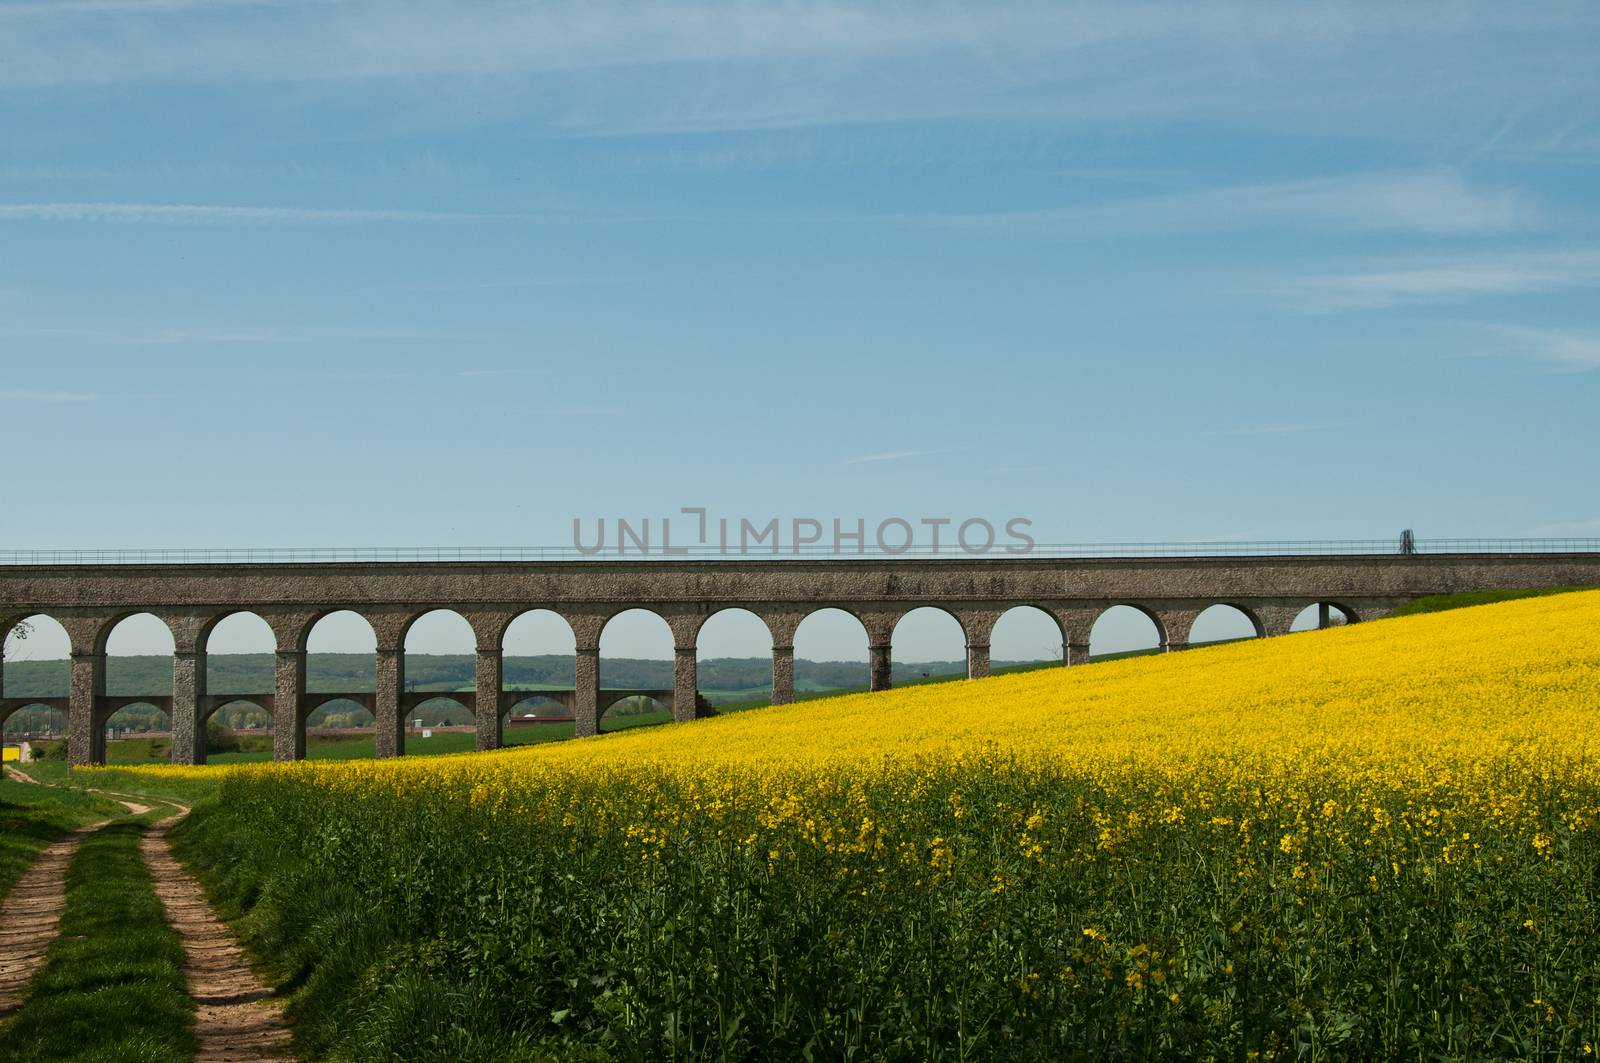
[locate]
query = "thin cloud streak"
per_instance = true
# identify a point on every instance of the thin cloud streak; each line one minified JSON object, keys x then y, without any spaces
{"x":163,"y":337}
{"x":644,"y":70}
{"x":1443,"y":280}
{"x":213,"y":214}
{"x":1572,"y":352}
{"x":1435,"y":202}
{"x":1270,"y":430}
{"x":896,"y":455}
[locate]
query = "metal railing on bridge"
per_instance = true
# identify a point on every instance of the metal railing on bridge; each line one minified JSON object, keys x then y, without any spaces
{"x":503,"y":554}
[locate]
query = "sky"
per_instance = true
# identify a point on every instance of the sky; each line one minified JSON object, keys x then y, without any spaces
{"x":311,"y":273}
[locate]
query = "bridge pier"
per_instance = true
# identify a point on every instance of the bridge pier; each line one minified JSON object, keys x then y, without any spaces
{"x":1176,"y":626}
{"x":188,"y":718}
{"x":685,"y":684}
{"x":489,"y":716}
{"x":86,"y":740}
{"x":977,"y":660}
{"x":387,"y":719}
{"x":880,"y":666}
{"x":782,"y":674}
{"x":289,"y":692}
{"x":586,"y":695}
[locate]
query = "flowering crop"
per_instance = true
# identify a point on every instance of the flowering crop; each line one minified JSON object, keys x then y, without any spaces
{"x":1358,"y":843}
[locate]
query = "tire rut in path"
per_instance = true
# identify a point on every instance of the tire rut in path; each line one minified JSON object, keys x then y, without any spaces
{"x":235,"y":1020}
{"x":31,"y":914}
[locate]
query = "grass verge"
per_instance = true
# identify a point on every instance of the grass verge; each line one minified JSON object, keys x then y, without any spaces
{"x":112,"y":988}
{"x":31,"y":817}
{"x":1438,"y":603}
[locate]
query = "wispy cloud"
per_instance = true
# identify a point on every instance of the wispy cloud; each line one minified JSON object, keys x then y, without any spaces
{"x":706,"y":65}
{"x":1441,"y":280}
{"x":897,"y":455}
{"x":45,"y":397}
{"x":1435,"y":202}
{"x":1557,"y":348}
{"x":1270,"y":429}
{"x":139,"y":335}
{"x":212,"y":214}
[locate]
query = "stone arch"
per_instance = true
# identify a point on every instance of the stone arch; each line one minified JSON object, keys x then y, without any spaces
{"x":156,"y":717}
{"x":237,"y":702}
{"x":448,"y":633}
{"x":112,"y":626}
{"x":1339,"y":615}
{"x":557,"y":702}
{"x":1225,"y":622}
{"x":537,"y":627}
{"x":633,"y":627}
{"x":924,"y":632}
{"x":133,"y":630}
{"x":509,"y":645}
{"x":213,"y":684}
{"x":55,"y":714}
{"x":431,"y":624}
{"x":825,"y":652}
{"x":442,"y":705}
{"x":1118,"y":629}
{"x":326,"y":700}
{"x":751,"y":659}
{"x":44,"y":639}
{"x":347,"y":638}
{"x":226,"y":621}
{"x":1028,"y":634}
{"x":355,"y":678}
{"x":617,"y":710}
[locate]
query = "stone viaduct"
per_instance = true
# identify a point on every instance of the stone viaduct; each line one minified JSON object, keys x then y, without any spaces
{"x":89,"y":600}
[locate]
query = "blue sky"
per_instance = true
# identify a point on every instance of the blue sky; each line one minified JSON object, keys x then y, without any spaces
{"x":349,"y":273}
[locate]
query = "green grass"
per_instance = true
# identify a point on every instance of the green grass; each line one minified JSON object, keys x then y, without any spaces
{"x":112,"y":988}
{"x":31,"y":817}
{"x":1438,"y":603}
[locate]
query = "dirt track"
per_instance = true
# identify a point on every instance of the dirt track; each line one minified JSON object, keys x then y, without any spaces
{"x":236,"y":1021}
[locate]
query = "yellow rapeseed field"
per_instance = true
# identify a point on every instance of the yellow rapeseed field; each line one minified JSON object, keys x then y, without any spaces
{"x":1354,"y":843}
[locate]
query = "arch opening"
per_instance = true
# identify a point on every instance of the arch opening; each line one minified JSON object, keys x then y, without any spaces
{"x":830,"y":653}
{"x":733,"y":652}
{"x":239,"y":726}
{"x":1224,"y":622}
{"x":33,"y":721}
{"x":239,"y":651}
{"x":341,"y":657}
{"x":137,"y":731}
{"x":440,"y":656}
{"x":538,"y":707}
{"x":1322,"y":614}
{"x":138,"y":652}
{"x":37,"y":657}
{"x":1125,"y":631}
{"x":1025,"y":637}
{"x":928,"y":643}
{"x":39,"y":637}
{"x":538,"y":652}
{"x":636,"y":652}
{"x":640,"y":710}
